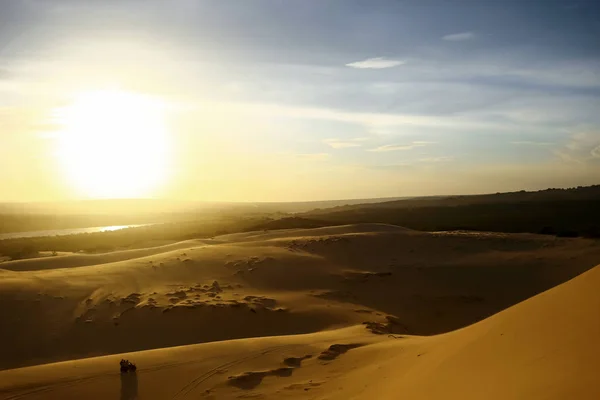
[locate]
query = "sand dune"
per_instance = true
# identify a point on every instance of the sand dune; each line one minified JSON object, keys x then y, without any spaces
{"x":83,"y":260}
{"x":543,"y":348}
{"x":350,"y":300}
{"x":325,"y":231}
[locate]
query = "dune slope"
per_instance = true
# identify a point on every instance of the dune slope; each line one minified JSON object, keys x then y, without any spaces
{"x":543,"y":348}
{"x":288,"y":282}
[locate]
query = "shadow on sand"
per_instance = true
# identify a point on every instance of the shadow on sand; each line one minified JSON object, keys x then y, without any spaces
{"x":129,"y":386}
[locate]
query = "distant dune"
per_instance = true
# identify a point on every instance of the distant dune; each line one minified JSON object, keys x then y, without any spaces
{"x":316,"y":231}
{"x":82,"y":260}
{"x":330,"y":312}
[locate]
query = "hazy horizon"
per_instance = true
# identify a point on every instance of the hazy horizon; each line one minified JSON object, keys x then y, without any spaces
{"x":269,"y":101}
{"x":322,"y":200}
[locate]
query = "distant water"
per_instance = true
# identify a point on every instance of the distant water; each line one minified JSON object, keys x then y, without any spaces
{"x":64,"y":232}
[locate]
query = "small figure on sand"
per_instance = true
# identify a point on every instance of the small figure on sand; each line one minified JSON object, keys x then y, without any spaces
{"x":127,"y":366}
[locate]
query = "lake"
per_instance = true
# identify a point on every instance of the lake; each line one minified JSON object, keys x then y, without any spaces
{"x":64,"y":232}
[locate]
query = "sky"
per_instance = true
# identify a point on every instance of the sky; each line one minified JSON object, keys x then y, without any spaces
{"x":294,"y":100}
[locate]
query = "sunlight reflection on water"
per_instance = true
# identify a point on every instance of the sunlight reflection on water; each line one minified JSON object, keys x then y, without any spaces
{"x":63,"y":232}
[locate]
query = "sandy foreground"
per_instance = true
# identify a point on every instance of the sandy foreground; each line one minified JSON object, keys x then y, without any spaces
{"x":364,"y":311}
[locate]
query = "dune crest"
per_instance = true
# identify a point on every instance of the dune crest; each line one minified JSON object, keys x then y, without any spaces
{"x":544,"y":348}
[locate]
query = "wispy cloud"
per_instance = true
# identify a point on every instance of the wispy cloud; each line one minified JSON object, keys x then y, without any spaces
{"x":423,"y":142}
{"x":582,"y":148}
{"x":459,"y":37}
{"x":531,"y":143}
{"x":343,"y":144}
{"x":375,"y":63}
{"x":392,"y":168}
{"x":383,"y":122}
{"x":436,"y":159}
{"x":314,"y":156}
{"x":399,"y":147}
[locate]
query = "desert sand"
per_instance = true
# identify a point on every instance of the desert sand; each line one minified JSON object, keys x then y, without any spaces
{"x":348,"y":312}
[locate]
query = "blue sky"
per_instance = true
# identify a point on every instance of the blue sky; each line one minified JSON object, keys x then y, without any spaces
{"x":394,"y":98}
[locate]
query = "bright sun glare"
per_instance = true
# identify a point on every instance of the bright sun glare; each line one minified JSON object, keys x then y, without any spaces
{"x":113,"y":144}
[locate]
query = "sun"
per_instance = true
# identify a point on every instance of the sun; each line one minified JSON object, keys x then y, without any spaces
{"x":113,"y":144}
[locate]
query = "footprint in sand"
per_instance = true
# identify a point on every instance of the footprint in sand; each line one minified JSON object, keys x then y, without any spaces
{"x":250,"y":380}
{"x":306,"y":386}
{"x":180,"y":294}
{"x":335,"y":350}
{"x":296,"y":362}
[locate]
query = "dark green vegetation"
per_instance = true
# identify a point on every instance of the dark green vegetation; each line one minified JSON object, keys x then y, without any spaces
{"x":562,"y":212}
{"x":561,"y":218}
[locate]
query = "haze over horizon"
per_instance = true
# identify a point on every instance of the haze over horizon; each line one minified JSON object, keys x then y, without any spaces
{"x":293,"y":101}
